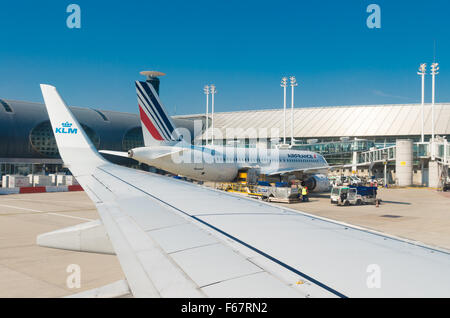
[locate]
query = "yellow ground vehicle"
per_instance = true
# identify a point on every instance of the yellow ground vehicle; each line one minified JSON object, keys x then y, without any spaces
{"x":247,"y":183}
{"x":249,"y":189}
{"x":242,"y":177}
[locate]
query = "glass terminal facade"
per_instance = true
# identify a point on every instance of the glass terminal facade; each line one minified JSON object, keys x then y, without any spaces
{"x":43,"y":141}
{"x":337,"y":152}
{"x":133,"y":139}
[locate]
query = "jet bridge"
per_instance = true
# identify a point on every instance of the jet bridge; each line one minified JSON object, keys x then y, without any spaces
{"x":377,"y":155}
{"x":421,"y":150}
{"x":406,"y":154}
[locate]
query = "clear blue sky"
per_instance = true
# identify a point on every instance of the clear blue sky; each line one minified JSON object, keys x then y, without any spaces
{"x":244,"y":47}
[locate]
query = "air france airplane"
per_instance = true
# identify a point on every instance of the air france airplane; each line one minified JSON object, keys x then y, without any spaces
{"x":166,"y":149}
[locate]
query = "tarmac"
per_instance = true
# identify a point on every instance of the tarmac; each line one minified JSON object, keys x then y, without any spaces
{"x":417,"y":214}
{"x":28,"y":270}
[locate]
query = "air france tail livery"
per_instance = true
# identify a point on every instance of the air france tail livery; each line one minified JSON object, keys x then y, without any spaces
{"x":165,"y":149}
{"x":157,"y":127}
{"x":208,"y":243}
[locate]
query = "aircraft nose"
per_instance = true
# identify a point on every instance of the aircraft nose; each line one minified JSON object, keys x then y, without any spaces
{"x":130,"y":153}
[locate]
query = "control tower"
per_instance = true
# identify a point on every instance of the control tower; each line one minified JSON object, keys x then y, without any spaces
{"x":152,"y":78}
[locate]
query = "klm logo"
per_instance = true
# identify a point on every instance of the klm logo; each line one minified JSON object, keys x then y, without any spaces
{"x":66,"y":129}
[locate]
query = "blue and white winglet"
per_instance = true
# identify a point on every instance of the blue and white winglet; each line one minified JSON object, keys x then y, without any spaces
{"x":176,"y":239}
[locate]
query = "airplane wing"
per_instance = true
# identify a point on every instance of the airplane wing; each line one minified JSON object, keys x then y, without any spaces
{"x":115,"y":153}
{"x":177,"y":239}
{"x":323,"y":169}
{"x":151,"y":153}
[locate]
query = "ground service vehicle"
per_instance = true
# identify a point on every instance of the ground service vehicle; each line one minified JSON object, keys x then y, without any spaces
{"x":356,"y":195}
{"x":368,"y":195}
{"x":344,"y":195}
{"x":280,"y":192}
{"x":446,"y":185}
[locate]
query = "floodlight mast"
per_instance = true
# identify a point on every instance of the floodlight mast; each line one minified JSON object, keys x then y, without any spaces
{"x":284,"y":85}
{"x":213,"y":92}
{"x":422,"y":73}
{"x":434,"y":72}
{"x":293,"y":84}
{"x":206,"y":90}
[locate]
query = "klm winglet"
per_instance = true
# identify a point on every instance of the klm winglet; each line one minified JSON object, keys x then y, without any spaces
{"x":75,"y":147}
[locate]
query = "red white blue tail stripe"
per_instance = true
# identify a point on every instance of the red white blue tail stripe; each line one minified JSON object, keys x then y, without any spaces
{"x":153,"y":115}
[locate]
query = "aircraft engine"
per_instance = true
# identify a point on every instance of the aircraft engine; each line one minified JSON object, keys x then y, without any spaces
{"x":317,"y":183}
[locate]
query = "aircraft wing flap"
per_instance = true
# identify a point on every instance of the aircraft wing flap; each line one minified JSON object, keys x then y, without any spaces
{"x":251,"y":286}
{"x":139,"y":282}
{"x":193,"y":236}
{"x":149,"y":270}
{"x":217,"y":256}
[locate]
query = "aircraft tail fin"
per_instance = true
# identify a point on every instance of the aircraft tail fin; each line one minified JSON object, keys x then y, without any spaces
{"x":157,"y":127}
{"x":75,"y":147}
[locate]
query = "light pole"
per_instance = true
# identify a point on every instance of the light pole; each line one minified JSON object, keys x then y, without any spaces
{"x":213,"y":92}
{"x":422,"y":72}
{"x":284,"y":85}
{"x":293,"y":84}
{"x":434,"y":72}
{"x":206,"y":90}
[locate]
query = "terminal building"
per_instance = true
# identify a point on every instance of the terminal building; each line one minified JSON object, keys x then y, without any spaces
{"x":28,"y":146}
{"x":361,"y":138}
{"x":380,"y":124}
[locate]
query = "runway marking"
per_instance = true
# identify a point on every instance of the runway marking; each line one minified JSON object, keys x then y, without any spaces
{"x":19,"y":208}
{"x":70,"y":216}
{"x":45,"y":201}
{"x":50,"y":213}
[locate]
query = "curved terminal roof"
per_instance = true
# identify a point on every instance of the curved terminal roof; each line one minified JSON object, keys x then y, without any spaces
{"x":339,"y":121}
{"x":19,"y":118}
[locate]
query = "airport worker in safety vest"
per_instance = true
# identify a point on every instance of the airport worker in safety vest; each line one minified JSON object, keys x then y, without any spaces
{"x":305,"y":194}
